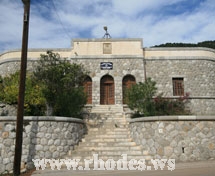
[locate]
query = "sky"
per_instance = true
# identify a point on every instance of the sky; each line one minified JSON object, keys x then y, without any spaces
{"x":54,"y":23}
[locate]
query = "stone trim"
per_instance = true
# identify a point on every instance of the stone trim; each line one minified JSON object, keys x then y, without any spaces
{"x":190,"y":97}
{"x":108,"y":57}
{"x":43,"y":118}
{"x":37,"y":50}
{"x":179,"y":49}
{"x":3,"y":61}
{"x":106,"y":40}
{"x":173,"y":118}
{"x":161,"y":58}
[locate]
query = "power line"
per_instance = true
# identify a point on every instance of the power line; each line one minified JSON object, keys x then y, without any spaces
{"x":64,"y":29}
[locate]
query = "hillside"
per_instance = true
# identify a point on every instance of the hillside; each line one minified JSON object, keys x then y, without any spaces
{"x":207,"y":44}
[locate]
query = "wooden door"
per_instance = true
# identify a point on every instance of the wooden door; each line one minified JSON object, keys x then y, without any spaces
{"x":107,"y":90}
{"x":127,"y":82}
{"x":88,"y":89}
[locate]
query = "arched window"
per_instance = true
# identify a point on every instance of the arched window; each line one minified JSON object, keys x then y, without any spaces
{"x":127,"y":82}
{"x":88,"y":89}
{"x":107,"y":90}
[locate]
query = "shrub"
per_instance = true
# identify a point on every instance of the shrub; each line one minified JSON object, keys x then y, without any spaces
{"x":140,"y":99}
{"x":166,"y":106}
{"x":34,"y":99}
{"x":62,"y":84}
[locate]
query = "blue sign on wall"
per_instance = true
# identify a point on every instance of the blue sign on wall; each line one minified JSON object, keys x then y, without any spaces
{"x":106,"y":65}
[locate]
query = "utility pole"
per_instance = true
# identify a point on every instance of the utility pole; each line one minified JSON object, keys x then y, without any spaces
{"x":20,"y":111}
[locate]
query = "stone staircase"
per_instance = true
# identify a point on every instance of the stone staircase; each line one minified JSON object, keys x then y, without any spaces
{"x":110,"y":140}
{"x":102,"y":109}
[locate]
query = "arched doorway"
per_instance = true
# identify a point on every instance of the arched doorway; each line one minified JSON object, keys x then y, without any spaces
{"x":127,"y":82}
{"x":107,"y":90}
{"x":88,"y":89}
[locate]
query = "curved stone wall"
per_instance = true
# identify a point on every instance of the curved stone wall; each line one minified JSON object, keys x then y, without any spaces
{"x":43,"y":137}
{"x":184,"y":138}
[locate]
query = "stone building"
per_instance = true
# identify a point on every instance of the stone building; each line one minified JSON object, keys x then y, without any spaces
{"x":116,"y":64}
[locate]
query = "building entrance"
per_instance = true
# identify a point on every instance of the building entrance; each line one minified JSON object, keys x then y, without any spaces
{"x":107,"y":90}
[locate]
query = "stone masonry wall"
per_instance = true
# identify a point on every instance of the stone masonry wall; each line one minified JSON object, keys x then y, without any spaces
{"x":13,"y":65}
{"x":122,"y":66}
{"x":198,"y":77}
{"x":198,"y":74}
{"x":43,"y":137}
{"x":182,"y":138}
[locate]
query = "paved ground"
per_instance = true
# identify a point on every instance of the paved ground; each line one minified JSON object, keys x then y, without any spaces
{"x":203,"y":168}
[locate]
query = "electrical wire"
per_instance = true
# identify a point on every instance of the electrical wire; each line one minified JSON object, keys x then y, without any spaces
{"x":58,"y":16}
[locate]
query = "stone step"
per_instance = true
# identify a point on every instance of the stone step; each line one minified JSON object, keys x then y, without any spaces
{"x":106,"y":136}
{"x":81,"y":161}
{"x":107,"y":129}
{"x":107,"y":108}
{"x":105,"y":157}
{"x":104,"y":153}
{"x":108,"y":140}
{"x":105,"y":144}
{"x":116,"y":122}
{"x":109,"y":132}
{"x":108,"y":148}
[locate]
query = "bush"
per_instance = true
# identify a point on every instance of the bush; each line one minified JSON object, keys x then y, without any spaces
{"x":166,"y":106}
{"x":140,"y":99}
{"x":34,"y":99}
{"x":63,"y":83}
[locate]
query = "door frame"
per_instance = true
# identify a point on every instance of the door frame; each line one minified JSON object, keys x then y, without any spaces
{"x":127,"y":82}
{"x":107,"y":90}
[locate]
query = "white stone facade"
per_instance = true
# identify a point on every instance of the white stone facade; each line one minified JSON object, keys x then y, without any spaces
{"x":196,"y":66}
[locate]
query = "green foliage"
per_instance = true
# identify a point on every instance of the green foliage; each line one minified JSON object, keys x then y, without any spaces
{"x":140,"y":99}
{"x":70,"y":103}
{"x":207,"y":44}
{"x":35,"y":102}
{"x":55,"y":82}
{"x":34,"y":99}
{"x":62,"y":84}
{"x":10,"y":86}
{"x":1,"y":89}
{"x":166,"y":106}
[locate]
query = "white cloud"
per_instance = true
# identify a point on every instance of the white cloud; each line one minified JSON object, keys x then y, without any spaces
{"x":11,"y":22}
{"x":156,"y":21}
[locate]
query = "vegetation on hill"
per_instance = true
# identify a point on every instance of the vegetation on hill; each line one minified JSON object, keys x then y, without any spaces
{"x":207,"y":44}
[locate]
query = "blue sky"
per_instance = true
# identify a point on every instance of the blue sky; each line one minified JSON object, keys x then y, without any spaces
{"x":53,"y":23}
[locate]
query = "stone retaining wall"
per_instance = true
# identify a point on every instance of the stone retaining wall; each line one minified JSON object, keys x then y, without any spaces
{"x":184,"y":138}
{"x":43,"y":137}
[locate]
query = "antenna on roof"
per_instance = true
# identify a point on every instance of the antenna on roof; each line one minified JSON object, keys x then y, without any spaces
{"x":107,"y":35}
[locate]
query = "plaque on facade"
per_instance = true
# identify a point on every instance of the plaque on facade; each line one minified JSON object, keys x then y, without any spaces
{"x":107,"y":48}
{"x":106,"y":65}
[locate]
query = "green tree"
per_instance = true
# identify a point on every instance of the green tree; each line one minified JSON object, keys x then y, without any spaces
{"x":1,"y":89}
{"x":140,"y":97}
{"x":63,"y":84}
{"x":207,"y":44}
{"x":34,"y":99}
